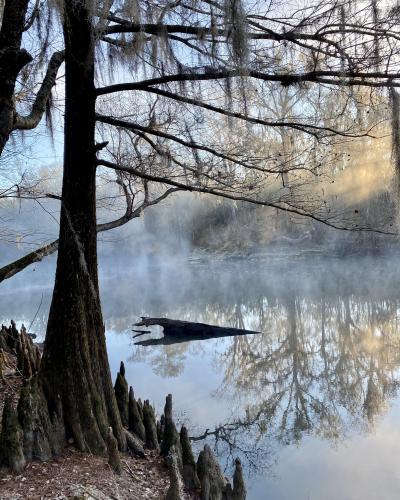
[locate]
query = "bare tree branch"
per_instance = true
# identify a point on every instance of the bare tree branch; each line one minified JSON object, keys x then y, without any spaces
{"x":339,"y":78}
{"x":38,"y":255}
{"x":189,"y":144}
{"x":216,"y":192}
{"x":39,"y":106}
{"x":303,"y":127}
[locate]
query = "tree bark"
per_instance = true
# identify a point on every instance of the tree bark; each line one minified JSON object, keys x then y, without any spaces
{"x":12,"y":60}
{"x":75,"y":368}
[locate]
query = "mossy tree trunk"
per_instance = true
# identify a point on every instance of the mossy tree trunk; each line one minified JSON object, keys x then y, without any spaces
{"x":12,"y":60}
{"x":75,"y":368}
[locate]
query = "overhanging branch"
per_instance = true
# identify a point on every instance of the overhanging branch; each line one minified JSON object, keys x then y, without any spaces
{"x":229,"y":196}
{"x":346,"y":78}
{"x":38,"y":255}
{"x":189,"y":144}
{"x":303,"y":127}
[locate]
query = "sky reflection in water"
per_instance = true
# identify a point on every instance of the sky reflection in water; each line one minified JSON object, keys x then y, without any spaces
{"x":310,"y":405}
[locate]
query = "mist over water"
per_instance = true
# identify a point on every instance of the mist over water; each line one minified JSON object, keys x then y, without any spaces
{"x":310,"y":404}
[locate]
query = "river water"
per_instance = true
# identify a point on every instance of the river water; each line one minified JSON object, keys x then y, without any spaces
{"x":310,"y":404}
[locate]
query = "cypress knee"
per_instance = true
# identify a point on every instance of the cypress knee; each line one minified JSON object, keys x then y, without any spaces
{"x":2,"y":363}
{"x":213,"y":483}
{"x":122,"y":395}
{"x":3,"y":338}
{"x":190,"y":478}
{"x":239,"y":487}
{"x":135,"y":445}
{"x":32,"y":352}
{"x":170,"y":436}
{"x":160,"y":429}
{"x":27,"y":417}
{"x":114,"y":459}
{"x":175,"y":490}
{"x":43,"y":434}
{"x":140,"y":407}
{"x":11,"y":447}
{"x":135,"y":419}
{"x":12,"y":336}
{"x":150,"y":426}
{"x":23,"y":355}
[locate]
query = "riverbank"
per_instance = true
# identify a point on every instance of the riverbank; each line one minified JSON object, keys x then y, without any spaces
{"x":75,"y":475}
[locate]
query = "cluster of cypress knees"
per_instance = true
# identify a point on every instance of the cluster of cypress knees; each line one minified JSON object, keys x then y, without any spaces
{"x":185,"y":474}
{"x":21,"y":439}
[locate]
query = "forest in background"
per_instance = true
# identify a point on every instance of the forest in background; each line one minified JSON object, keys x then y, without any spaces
{"x":360,"y":179}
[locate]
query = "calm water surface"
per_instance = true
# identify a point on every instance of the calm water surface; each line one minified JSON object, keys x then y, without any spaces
{"x":310,"y":404}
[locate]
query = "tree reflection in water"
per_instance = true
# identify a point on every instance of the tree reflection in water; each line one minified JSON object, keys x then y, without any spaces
{"x":326,"y":364}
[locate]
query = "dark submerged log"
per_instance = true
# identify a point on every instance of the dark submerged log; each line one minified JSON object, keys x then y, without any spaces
{"x":178,"y":327}
{"x":176,"y":331}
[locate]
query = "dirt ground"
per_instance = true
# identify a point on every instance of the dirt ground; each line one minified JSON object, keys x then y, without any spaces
{"x":77,"y":475}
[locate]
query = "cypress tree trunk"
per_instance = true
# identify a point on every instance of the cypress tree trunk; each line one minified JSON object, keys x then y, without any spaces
{"x":75,"y":368}
{"x":12,"y":60}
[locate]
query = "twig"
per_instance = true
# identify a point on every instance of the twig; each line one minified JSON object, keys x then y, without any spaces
{"x":37,"y":312}
{"x":130,"y":470}
{"x":141,"y":332}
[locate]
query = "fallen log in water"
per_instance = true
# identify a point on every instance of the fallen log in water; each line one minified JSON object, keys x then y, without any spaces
{"x":176,"y":331}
